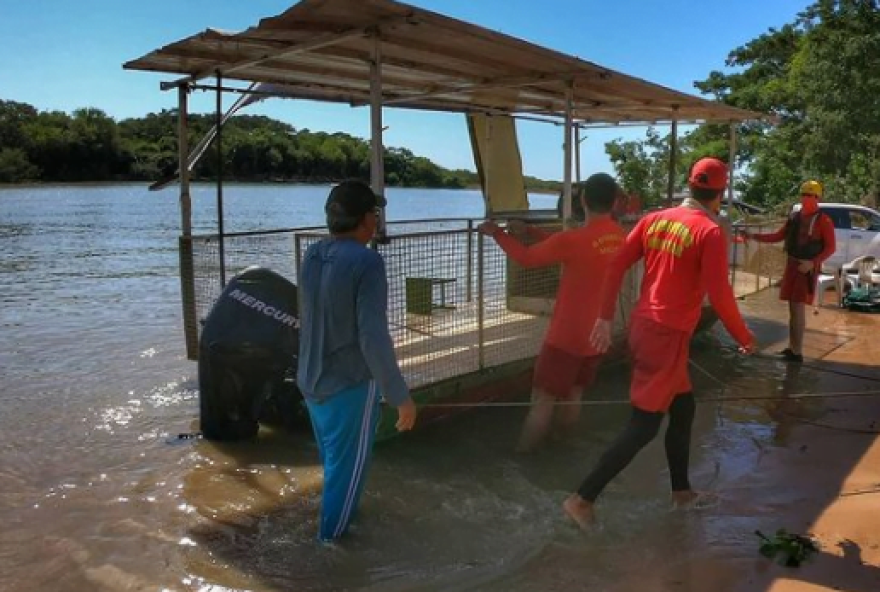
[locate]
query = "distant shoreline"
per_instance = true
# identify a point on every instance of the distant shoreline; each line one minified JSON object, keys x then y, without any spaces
{"x":239,"y":182}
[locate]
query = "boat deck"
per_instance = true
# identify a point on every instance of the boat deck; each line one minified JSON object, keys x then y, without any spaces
{"x":450,"y":343}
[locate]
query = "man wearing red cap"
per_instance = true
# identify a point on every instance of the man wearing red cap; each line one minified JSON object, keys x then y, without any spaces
{"x":809,"y":241}
{"x":685,"y":257}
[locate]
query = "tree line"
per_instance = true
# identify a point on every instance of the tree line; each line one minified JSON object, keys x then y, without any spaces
{"x":820,"y":76}
{"x":88,"y":145}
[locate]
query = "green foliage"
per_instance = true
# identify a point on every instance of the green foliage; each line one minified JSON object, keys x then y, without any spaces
{"x":90,"y":146}
{"x":15,"y":166}
{"x":532,"y":184}
{"x":13,"y":117}
{"x":789,"y":550}
{"x":820,"y":75}
{"x":643,"y":167}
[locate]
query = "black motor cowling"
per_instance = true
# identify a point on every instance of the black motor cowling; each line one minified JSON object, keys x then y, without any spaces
{"x":247,"y":357}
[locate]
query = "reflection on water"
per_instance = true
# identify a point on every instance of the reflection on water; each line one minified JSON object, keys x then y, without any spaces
{"x":437,"y":508}
{"x":99,"y":494}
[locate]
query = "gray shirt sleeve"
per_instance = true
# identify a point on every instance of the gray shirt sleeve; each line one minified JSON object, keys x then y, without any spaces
{"x":375,"y":340}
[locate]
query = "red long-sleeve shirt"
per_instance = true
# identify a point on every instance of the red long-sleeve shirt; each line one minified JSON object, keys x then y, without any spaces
{"x":822,"y":230}
{"x":585,"y":254}
{"x":685,"y":253}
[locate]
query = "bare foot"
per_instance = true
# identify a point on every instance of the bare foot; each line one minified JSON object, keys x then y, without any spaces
{"x":694,"y":500}
{"x":579,"y":510}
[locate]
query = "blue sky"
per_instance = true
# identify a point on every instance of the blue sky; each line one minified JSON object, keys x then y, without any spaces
{"x":62,"y":55}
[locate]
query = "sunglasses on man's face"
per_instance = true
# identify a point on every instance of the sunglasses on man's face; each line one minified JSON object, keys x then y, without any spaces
{"x":809,"y":195}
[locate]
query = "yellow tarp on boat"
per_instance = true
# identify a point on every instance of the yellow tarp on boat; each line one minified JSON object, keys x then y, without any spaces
{"x":498,"y":161}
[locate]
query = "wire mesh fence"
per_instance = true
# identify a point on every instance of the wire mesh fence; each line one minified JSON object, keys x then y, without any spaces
{"x":449,"y":296}
{"x":457,"y":304}
{"x":755,"y":266}
{"x":202,"y":281}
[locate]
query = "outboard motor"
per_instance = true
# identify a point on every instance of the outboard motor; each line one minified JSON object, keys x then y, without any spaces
{"x":248,"y":355}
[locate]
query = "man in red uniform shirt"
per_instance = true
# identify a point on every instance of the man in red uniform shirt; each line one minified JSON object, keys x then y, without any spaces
{"x":567,"y":362}
{"x":809,"y":241}
{"x":685,"y":255}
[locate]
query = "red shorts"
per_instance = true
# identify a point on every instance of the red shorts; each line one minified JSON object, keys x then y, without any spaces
{"x":558,"y":372}
{"x":797,"y":286}
{"x":659,"y":364}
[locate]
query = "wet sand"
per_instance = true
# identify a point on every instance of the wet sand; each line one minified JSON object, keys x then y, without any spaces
{"x":816,"y":471}
{"x":821,"y":475}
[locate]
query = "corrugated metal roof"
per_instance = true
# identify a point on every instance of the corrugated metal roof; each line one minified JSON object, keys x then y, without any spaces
{"x":322,"y":50}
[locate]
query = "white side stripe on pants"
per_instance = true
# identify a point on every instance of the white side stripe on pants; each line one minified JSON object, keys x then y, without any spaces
{"x":360,"y":460}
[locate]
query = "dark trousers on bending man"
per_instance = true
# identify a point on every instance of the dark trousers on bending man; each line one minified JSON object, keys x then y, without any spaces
{"x":642,"y":428}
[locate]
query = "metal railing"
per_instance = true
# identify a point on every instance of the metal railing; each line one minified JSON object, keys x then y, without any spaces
{"x":755,"y":266}
{"x":457,"y":304}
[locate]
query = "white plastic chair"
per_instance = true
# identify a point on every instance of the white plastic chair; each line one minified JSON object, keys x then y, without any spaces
{"x":838,"y":281}
{"x":861,"y":271}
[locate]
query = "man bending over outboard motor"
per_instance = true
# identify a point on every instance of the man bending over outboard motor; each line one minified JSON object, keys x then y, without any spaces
{"x":247,"y":355}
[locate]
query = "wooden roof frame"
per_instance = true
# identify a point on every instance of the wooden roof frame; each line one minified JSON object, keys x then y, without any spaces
{"x":323,"y":50}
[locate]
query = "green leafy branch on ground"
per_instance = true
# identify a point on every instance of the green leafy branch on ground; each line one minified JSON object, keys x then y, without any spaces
{"x":789,"y":550}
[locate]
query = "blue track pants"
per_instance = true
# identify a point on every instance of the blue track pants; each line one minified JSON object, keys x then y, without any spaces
{"x":345,"y":428}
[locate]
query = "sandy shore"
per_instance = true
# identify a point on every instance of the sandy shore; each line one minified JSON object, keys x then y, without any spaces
{"x":820,"y":476}
{"x":810,"y":466}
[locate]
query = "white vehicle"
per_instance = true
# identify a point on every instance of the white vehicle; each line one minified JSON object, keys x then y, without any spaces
{"x":856,"y":232}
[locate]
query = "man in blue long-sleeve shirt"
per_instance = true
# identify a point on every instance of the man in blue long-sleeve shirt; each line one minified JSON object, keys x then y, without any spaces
{"x":346,"y":357}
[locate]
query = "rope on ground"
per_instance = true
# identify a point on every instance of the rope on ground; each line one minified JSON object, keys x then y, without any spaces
{"x":840,"y":372}
{"x":776,"y":359}
{"x":816,"y":367}
{"x":828,"y":426}
{"x":601,"y":402}
{"x":784,"y":397}
{"x":720,"y":399}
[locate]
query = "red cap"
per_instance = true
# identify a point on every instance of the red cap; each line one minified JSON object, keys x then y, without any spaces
{"x":708,"y":173}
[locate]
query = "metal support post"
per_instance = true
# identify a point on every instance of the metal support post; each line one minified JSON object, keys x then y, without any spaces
{"x":481,"y":301}
{"x":566,"y":148}
{"x":377,"y":162}
{"x":219,"y":139}
{"x":673,"y":160}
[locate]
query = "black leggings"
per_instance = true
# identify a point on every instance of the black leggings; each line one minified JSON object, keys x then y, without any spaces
{"x":642,"y":428}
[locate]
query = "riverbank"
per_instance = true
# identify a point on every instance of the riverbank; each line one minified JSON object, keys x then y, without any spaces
{"x":814,"y":470}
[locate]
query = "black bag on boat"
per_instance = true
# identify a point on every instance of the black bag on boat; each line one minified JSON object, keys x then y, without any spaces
{"x":247,"y":356}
